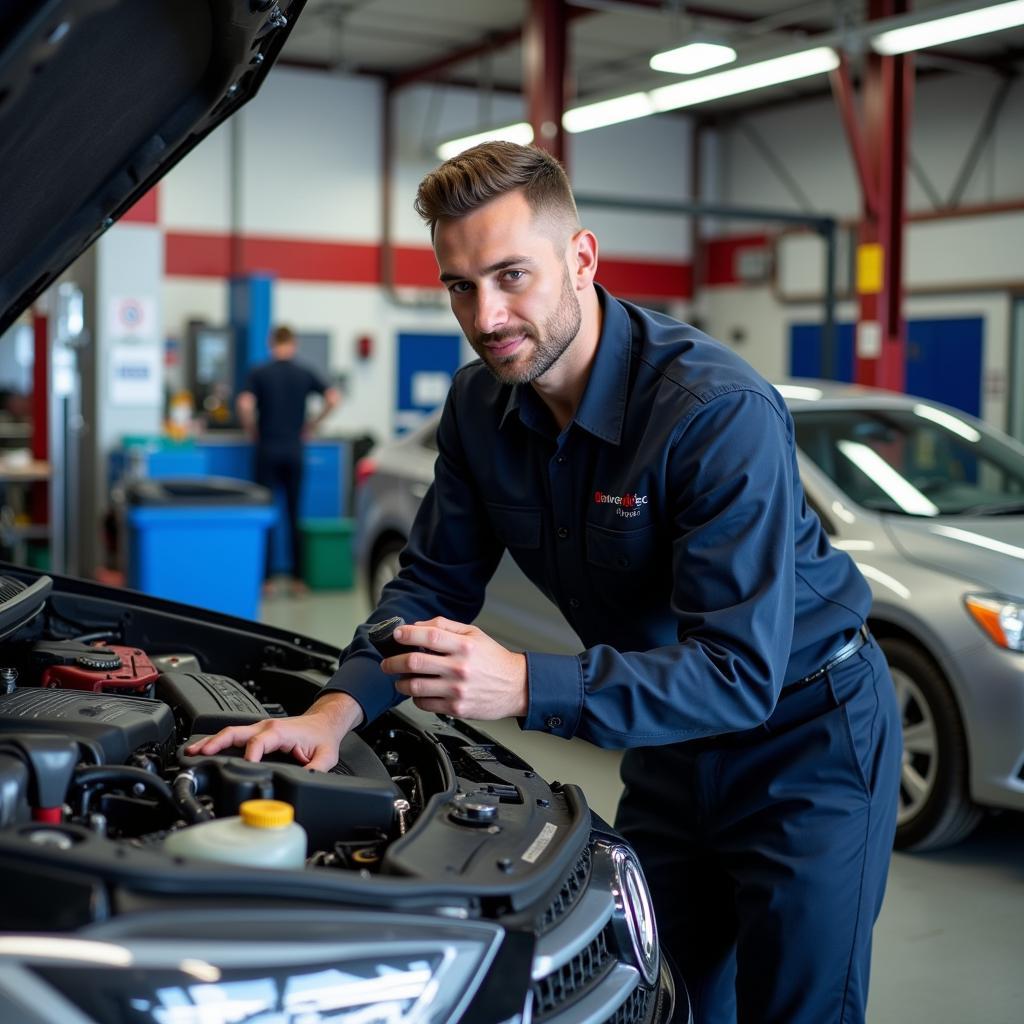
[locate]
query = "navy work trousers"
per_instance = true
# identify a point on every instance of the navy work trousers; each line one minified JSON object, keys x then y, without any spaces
{"x":767,"y":851}
{"x":282,"y":469}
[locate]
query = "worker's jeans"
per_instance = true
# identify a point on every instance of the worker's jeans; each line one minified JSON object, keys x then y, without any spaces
{"x":767,"y":851}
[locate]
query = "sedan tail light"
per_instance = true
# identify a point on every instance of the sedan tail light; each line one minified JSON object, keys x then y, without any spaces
{"x":365,"y":468}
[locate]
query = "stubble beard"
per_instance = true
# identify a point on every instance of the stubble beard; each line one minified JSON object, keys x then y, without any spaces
{"x":556,"y":335}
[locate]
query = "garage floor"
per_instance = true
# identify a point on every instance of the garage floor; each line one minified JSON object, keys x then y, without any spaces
{"x":948,"y":943}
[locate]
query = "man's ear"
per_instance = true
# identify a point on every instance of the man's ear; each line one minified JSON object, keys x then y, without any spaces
{"x":583,"y":258}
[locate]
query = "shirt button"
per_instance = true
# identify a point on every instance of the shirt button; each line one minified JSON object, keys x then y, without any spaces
{"x":574,"y":602}
{"x":623,"y":562}
{"x":561,"y":460}
{"x":553,"y":721}
{"x":562,"y":533}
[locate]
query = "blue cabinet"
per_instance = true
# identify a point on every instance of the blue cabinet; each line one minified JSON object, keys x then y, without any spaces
{"x":325,"y":479}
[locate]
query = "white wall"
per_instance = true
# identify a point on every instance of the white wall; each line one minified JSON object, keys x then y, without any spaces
{"x":310,"y":149}
{"x":310,"y":146}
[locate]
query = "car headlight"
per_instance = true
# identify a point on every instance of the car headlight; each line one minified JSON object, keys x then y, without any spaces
{"x":398,"y":971}
{"x":1001,"y":618}
{"x":633,"y":900}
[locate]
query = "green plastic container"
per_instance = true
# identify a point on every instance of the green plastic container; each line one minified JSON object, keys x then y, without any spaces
{"x":327,"y":553}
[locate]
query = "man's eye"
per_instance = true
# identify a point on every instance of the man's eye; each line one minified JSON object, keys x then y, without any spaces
{"x":514,"y":276}
{"x":459,"y":287}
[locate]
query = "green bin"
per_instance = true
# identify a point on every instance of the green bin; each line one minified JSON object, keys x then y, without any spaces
{"x":327,"y":553}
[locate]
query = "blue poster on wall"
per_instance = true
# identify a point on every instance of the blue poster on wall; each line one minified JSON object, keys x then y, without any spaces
{"x":426,"y":365}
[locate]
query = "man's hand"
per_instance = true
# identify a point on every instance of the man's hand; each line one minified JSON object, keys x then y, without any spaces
{"x":461,"y":671}
{"x":312,"y":738}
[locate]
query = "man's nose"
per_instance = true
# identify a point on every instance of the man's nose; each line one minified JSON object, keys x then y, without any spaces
{"x":491,"y":311}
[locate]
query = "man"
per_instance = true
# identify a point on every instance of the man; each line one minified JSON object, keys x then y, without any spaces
{"x":272,"y":409}
{"x":645,"y":479}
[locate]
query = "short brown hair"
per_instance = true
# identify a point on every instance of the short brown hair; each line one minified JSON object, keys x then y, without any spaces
{"x":492,"y":169}
{"x":282,"y":336}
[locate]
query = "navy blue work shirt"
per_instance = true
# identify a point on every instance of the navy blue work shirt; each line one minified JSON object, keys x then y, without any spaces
{"x":667,"y":521}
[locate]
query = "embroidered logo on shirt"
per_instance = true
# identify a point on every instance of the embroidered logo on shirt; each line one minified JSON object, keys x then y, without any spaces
{"x":627,"y":505}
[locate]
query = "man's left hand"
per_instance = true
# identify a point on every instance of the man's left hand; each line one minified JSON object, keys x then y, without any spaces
{"x":461,"y":671}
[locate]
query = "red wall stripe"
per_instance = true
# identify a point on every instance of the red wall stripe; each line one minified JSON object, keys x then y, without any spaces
{"x":146,"y":210}
{"x":193,"y":254}
{"x":645,"y":279}
{"x":720,"y":257}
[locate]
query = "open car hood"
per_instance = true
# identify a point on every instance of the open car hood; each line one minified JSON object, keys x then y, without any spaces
{"x":98,"y":100}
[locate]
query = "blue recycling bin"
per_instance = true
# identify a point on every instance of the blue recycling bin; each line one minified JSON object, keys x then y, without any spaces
{"x":199,"y":541}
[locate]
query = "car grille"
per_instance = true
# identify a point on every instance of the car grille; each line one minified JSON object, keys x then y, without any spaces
{"x":584,"y":963}
{"x":569,"y":981}
{"x":633,"y":1009}
{"x":572,"y":889}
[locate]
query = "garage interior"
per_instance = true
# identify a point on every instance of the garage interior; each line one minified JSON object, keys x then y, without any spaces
{"x":855,"y":221}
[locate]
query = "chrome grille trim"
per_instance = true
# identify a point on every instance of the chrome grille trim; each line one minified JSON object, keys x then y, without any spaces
{"x":573,"y":933}
{"x":603,"y":1000}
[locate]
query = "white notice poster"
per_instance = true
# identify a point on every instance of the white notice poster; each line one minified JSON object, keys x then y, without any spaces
{"x":135,"y":375}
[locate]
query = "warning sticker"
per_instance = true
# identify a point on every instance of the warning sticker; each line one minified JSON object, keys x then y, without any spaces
{"x":540,"y":844}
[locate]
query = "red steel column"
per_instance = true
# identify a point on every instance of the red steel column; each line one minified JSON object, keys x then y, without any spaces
{"x":544,"y":73}
{"x":881,"y":331}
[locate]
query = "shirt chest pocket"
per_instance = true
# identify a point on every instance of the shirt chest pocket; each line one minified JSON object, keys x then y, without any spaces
{"x":622,"y":550}
{"x":517,"y":527}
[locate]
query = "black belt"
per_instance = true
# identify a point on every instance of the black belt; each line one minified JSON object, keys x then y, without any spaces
{"x":848,"y":650}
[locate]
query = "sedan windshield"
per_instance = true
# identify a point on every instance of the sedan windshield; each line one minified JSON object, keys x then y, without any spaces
{"x":921,"y":461}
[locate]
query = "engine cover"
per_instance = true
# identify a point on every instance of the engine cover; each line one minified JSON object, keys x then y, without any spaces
{"x":113,"y":727}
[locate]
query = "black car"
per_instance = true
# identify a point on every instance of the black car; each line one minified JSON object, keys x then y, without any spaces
{"x":443,"y":879}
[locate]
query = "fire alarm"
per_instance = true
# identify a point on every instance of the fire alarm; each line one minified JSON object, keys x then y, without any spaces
{"x":364,"y":346}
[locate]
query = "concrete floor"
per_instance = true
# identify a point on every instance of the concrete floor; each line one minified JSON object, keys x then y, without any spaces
{"x":949,"y":940}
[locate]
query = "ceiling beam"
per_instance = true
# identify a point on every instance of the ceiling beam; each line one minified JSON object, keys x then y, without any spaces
{"x":491,"y":43}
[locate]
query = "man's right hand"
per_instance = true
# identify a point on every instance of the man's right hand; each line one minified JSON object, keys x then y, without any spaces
{"x":312,"y":738}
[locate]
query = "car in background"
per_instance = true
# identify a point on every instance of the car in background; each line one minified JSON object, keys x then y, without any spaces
{"x":928,"y":501}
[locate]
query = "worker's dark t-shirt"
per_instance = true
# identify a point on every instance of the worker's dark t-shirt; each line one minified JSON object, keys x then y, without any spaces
{"x":281,"y":388}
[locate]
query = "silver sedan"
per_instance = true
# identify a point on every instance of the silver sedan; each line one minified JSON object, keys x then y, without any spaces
{"x":930,"y":504}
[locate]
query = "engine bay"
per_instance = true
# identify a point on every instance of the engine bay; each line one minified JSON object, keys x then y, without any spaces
{"x":99,"y":699}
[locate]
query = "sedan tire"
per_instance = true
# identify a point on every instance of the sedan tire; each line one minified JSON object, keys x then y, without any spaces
{"x":935,"y":807}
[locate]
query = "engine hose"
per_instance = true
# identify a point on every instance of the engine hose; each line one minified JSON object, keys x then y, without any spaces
{"x":184,"y":789}
{"x":92,"y":777}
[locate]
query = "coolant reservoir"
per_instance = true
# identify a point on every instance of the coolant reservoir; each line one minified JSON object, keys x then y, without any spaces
{"x":263,"y":835}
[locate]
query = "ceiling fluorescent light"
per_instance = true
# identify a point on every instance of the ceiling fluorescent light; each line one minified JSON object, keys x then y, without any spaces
{"x":692,"y":58}
{"x":606,"y":112}
{"x":945,"y":30}
{"x":774,"y":71}
{"x":521,"y":133}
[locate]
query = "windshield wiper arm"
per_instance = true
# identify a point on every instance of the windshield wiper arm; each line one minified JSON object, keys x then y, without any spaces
{"x":993,"y":510}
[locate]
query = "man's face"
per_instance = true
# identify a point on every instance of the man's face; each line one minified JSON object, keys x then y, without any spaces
{"x":510,"y":287}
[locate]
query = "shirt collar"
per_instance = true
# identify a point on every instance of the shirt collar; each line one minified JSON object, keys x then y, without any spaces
{"x":603,"y":407}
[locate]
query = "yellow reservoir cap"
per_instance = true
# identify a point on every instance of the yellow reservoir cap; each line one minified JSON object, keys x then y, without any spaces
{"x":266,"y":813}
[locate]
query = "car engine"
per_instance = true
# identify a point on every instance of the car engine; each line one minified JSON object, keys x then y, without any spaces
{"x":102,"y":691}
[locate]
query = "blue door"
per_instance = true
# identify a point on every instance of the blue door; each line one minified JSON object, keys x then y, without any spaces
{"x":943,"y":358}
{"x":426,"y":365}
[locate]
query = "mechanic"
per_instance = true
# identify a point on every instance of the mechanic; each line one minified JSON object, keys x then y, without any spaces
{"x":645,"y":478}
{"x":272,"y":409}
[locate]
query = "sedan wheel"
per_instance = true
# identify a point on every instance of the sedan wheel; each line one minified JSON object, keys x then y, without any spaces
{"x":935,"y":808}
{"x":920,"y":747}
